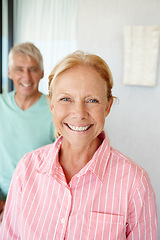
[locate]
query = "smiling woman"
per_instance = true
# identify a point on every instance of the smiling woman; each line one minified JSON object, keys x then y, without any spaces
{"x":80,"y":98}
{"x":80,"y":187}
{"x":98,"y":91}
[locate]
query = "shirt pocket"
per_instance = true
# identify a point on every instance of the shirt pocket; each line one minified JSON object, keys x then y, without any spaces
{"x":106,"y":226}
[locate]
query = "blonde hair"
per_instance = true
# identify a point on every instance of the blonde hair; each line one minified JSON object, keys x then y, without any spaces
{"x":28,"y":49}
{"x":80,"y":58}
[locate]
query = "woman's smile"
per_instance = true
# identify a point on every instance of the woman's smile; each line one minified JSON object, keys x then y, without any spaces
{"x":78,"y":128}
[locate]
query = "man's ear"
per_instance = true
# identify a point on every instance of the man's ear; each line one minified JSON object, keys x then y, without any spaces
{"x":108,"y":109}
{"x":9,"y":74}
{"x":42,"y":74}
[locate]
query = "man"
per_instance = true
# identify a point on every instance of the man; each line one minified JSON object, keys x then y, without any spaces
{"x":25,"y":117}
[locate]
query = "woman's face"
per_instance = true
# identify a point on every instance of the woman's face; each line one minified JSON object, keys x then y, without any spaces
{"x":79,"y":105}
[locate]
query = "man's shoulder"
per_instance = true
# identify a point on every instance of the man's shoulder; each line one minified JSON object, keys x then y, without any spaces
{"x":43,"y":103}
{"x":6,"y":98}
{"x":44,"y":98}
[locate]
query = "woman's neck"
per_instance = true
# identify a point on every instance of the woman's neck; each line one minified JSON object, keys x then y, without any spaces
{"x":73,"y":159}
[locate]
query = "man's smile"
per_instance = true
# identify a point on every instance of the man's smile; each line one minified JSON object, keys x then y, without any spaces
{"x":26,"y":84}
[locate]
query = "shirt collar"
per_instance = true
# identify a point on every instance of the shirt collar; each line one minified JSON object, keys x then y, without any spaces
{"x":97,"y":164}
{"x":50,"y":159}
{"x":99,"y":161}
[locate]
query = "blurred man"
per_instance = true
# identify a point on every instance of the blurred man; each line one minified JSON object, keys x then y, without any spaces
{"x":25,"y":117}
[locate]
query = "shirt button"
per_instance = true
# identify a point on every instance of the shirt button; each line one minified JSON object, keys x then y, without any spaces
{"x":63,"y":220}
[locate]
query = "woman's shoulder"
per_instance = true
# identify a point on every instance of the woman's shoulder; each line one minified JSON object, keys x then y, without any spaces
{"x":42,"y":156}
{"x":135,"y":176}
{"x":125,"y":159}
{"x":32,"y":161}
{"x":135,"y":172}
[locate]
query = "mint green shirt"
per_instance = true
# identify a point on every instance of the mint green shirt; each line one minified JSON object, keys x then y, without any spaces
{"x":21,"y":132}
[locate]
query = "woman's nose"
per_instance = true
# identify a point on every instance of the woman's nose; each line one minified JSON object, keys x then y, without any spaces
{"x":79,"y":111}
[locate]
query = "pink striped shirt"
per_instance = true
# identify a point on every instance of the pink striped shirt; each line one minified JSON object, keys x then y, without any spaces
{"x":110,"y":198}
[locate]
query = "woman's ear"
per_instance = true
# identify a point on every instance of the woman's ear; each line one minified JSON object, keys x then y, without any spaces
{"x":108,"y":109}
{"x":51,"y":107}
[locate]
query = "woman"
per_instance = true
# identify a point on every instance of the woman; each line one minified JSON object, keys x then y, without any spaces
{"x":80,"y":187}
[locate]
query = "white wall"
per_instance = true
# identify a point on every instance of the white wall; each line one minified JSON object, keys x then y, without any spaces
{"x":134,"y":124}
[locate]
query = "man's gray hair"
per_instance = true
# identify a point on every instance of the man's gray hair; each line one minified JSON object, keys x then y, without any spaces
{"x":28,"y":49}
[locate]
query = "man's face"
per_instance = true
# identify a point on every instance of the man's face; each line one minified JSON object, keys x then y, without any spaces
{"x":26,"y":74}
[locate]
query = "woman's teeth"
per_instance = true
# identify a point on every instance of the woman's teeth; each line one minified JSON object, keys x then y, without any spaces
{"x":80,"y":129}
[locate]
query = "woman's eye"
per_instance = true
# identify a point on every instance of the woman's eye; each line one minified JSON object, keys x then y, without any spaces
{"x":65,"y":99}
{"x":93,"y":101}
